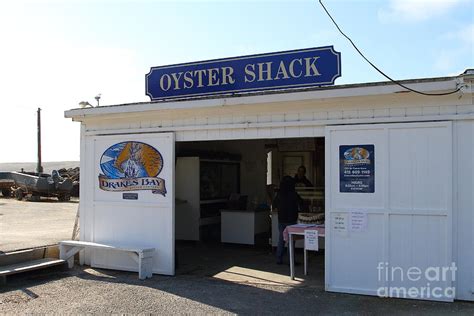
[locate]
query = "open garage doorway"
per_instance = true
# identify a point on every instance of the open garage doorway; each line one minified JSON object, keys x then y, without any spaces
{"x":225,"y":223}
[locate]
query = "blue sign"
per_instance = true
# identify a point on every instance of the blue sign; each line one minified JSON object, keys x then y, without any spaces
{"x":291,"y":69}
{"x":357,"y":168}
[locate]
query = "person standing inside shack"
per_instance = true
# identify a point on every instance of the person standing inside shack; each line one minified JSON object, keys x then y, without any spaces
{"x":288,"y":203}
{"x":300,"y":178}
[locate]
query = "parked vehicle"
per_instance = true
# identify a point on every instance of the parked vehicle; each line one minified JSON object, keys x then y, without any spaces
{"x":35,"y":185}
{"x":6,"y":184}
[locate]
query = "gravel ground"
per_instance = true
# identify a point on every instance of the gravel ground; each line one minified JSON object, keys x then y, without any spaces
{"x":211,"y":279}
{"x":92,"y":291}
{"x":26,"y":224}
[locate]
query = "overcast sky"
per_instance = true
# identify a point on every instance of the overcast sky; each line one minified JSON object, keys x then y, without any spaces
{"x":54,"y":54}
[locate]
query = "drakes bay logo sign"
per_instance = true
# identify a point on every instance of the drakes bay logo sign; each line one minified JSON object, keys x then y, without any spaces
{"x":131,"y":166}
{"x":291,"y":69}
{"x":357,"y":168}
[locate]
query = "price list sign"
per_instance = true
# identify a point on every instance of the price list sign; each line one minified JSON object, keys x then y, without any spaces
{"x":357,"y":168}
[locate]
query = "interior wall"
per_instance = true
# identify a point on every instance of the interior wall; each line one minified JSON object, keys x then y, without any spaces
{"x":313,"y":161}
{"x":253,"y":171}
{"x":253,"y":167}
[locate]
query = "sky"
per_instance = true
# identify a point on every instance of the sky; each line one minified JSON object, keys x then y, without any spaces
{"x":55,"y":54}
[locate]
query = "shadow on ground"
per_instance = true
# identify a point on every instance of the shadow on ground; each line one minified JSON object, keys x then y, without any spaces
{"x":239,"y":280}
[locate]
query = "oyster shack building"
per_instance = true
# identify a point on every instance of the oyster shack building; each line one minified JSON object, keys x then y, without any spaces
{"x":160,"y":171}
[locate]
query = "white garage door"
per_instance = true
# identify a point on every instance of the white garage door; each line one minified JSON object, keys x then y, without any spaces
{"x":389,"y":210}
{"x":131,"y":186}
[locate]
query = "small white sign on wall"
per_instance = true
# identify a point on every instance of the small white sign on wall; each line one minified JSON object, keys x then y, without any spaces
{"x":339,"y":223}
{"x":358,"y":221}
{"x":311,"y":239}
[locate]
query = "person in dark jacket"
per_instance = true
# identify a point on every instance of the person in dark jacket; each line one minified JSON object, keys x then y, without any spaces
{"x":300,"y":178}
{"x":288,"y":203}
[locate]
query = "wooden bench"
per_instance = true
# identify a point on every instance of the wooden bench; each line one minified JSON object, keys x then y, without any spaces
{"x":142,"y":256}
{"x":27,"y":266}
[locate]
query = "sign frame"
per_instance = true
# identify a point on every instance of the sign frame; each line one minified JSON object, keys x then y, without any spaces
{"x":208,"y":64}
{"x":357,"y":174}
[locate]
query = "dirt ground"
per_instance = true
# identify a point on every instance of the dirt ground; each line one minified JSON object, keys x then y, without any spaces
{"x":210,"y":279}
{"x":26,"y":224}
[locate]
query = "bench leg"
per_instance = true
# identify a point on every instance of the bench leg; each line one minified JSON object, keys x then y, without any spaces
{"x":145,"y":265}
{"x":148,"y":266}
{"x":137,"y":257}
{"x":67,"y":253}
{"x":141,"y":273}
{"x":70,"y":262}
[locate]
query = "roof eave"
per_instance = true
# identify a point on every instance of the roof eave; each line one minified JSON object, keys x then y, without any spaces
{"x":322,"y":93}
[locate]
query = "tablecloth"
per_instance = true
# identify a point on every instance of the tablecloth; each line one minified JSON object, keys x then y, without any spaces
{"x":299,"y":229}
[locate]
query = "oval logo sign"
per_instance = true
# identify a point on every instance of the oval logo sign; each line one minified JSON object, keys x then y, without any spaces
{"x":356,"y":153}
{"x":131,"y":166}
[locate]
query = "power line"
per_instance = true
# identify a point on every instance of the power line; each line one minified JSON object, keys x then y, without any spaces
{"x":376,"y":68}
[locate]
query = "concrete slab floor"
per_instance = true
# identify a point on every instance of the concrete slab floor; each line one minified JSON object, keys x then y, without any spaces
{"x":26,"y":224}
{"x":239,"y":263}
{"x":210,"y":279}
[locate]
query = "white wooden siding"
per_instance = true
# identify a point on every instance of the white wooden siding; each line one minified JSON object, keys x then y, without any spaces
{"x":300,"y":119}
{"x":463,"y":208}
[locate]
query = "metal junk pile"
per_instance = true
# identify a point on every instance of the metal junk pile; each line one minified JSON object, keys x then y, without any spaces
{"x":62,"y":183}
{"x":32,"y":185}
{"x":73,"y":174}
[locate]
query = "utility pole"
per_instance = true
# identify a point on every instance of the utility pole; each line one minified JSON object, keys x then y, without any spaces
{"x":39,"y":168}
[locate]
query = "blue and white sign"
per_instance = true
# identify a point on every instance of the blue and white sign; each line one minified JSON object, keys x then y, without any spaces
{"x":274,"y":71}
{"x":357,"y":168}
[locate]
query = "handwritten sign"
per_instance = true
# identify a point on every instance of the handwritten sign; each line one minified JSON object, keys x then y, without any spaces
{"x":358,"y":221}
{"x":339,"y":223}
{"x":311,"y":239}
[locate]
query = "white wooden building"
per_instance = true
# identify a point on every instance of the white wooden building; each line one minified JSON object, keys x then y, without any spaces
{"x":420,"y":215}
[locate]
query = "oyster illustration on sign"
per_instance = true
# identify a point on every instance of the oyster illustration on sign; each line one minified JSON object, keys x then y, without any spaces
{"x":357,"y":155}
{"x":131,"y":166}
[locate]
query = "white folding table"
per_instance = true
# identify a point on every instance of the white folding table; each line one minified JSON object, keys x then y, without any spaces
{"x":299,"y":229}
